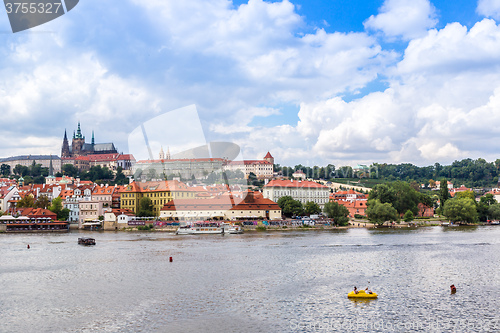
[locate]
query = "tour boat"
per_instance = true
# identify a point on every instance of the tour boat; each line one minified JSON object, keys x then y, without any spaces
{"x":361,"y":294}
{"x":86,"y":241}
{"x":208,"y":227}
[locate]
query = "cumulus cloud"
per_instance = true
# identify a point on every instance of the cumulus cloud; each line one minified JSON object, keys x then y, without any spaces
{"x":442,"y":105}
{"x":489,"y":8}
{"x":258,"y":43}
{"x":406,"y":19}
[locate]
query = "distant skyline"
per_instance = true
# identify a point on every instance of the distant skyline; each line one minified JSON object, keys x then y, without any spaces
{"x":313,"y":82}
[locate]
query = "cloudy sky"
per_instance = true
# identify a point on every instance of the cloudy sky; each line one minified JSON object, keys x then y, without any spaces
{"x":313,"y":82}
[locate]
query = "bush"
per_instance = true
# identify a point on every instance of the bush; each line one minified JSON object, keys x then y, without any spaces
{"x":408,"y":217}
{"x":260,"y":228}
{"x":359,"y":216}
{"x":146,"y":227}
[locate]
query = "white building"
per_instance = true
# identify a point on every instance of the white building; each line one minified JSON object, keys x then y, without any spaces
{"x":8,"y":193}
{"x":302,"y":191}
{"x":261,"y":169}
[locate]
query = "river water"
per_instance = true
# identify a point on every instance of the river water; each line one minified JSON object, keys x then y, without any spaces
{"x":290,"y":281}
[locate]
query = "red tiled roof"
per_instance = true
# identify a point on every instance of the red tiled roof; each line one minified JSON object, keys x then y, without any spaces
{"x":103,"y":190}
{"x":224,"y":203}
{"x":268,"y":155}
{"x":37,"y":212}
{"x":249,"y":162}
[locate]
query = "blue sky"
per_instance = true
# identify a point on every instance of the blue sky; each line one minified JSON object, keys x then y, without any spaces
{"x":313,"y":82}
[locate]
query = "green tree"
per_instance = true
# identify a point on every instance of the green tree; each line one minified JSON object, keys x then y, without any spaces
{"x":120,"y":178}
{"x":383,"y":192}
{"x":408,"y":217}
{"x":488,"y":199}
{"x":42,"y":202}
{"x":379,"y":212}
{"x":460,"y":210}
{"x":5,"y":170}
{"x":39,"y":180}
{"x":311,"y":208}
{"x":35,"y":170}
{"x":494,"y":211}
{"x":28,"y":180}
{"x":70,"y":170}
{"x":443,"y":191}
{"x":483,"y":206}
{"x":26,"y":202}
{"x":406,"y":198}
{"x":145,"y":207}
{"x":337,"y":212}
{"x":21,"y":170}
{"x":57,"y":207}
{"x":290,"y":207}
{"x":466,"y":194}
{"x":63,"y":215}
{"x":253,"y":180}
{"x":345,"y":172}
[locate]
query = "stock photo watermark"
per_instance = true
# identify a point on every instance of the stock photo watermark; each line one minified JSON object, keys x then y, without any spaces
{"x":382,"y":325}
{"x":27,"y":14}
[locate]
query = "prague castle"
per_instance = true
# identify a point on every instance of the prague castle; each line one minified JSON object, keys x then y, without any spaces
{"x":80,"y":148}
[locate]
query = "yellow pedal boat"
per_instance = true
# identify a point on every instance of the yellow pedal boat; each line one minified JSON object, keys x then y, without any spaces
{"x":362,"y":294}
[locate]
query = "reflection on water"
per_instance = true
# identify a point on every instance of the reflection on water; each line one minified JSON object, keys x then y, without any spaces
{"x":255,"y":282}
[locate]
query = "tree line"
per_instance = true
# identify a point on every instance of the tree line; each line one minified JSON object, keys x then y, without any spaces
{"x":469,"y":172}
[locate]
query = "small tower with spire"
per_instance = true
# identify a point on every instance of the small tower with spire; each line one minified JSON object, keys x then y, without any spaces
{"x":168,"y":153}
{"x":51,"y":167}
{"x":162,"y":154}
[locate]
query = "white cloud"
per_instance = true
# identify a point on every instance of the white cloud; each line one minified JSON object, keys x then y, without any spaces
{"x":442,"y":105}
{"x":403,"y":18}
{"x":257,"y":42}
{"x":489,"y":8}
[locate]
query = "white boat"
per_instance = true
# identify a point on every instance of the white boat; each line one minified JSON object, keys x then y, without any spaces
{"x":235,"y":229}
{"x":208,"y":227}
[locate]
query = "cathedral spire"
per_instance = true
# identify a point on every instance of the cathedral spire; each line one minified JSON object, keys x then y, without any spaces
{"x":65,"y":146}
{"x":162,"y":154}
{"x":79,"y":132}
{"x":51,"y":168}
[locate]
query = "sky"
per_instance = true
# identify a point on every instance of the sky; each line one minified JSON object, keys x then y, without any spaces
{"x":313,"y":82}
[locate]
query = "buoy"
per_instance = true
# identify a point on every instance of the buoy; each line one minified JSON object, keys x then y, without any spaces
{"x":28,"y":246}
{"x":171,"y":259}
{"x":453,"y":289}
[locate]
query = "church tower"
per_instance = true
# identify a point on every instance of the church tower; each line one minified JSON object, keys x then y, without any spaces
{"x":162,"y":154}
{"x":65,"y":147}
{"x":78,"y":142}
{"x":269,"y":158}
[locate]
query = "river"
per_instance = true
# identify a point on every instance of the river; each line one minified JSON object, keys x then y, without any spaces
{"x":290,"y":281}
